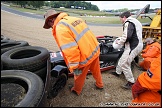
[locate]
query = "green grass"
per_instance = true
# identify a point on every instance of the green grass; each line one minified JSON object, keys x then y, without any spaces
{"x":109,"y":19}
{"x":102,"y":20}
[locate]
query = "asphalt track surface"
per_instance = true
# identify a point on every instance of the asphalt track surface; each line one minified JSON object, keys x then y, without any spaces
{"x":5,"y":8}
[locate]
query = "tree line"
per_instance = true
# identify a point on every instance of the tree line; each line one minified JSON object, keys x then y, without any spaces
{"x":56,"y":4}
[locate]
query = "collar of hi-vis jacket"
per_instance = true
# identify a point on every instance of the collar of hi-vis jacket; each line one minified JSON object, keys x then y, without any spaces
{"x":59,"y":17}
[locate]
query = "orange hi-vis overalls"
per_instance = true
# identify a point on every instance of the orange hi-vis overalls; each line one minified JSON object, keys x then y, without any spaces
{"x":151,"y":82}
{"x":151,"y":52}
{"x":79,"y":47}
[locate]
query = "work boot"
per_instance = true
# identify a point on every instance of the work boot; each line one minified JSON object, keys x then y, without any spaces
{"x":99,"y":88}
{"x":73,"y":91}
{"x":128,"y":85}
{"x":115,"y":74}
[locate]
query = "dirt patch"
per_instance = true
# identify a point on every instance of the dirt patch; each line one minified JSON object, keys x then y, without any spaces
{"x":11,"y":94}
{"x":31,"y":30}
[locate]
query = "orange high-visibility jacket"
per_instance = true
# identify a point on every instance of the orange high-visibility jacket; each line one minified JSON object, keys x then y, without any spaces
{"x":152,"y":81}
{"x":78,"y":44}
{"x":152,"y":51}
{"x":147,"y":47}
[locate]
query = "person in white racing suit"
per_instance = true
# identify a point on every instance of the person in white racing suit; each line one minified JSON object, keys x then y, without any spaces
{"x":133,"y":45}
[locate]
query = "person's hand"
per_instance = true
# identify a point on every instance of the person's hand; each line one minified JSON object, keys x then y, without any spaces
{"x":77,"y":71}
{"x":117,"y":41}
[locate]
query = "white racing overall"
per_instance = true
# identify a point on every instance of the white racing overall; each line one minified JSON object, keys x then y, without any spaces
{"x":132,"y":40}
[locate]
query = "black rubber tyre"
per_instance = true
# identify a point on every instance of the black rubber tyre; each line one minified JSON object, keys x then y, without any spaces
{"x":12,"y":44}
{"x":1,"y":65}
{"x":30,"y":58}
{"x":6,"y":41}
{"x":32,"y":84}
{"x":42,"y":72}
{"x":4,"y":38}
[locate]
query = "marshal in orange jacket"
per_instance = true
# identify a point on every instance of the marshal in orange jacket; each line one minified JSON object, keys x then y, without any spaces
{"x":147,"y":88}
{"x":77,"y":43}
{"x":151,"y":52}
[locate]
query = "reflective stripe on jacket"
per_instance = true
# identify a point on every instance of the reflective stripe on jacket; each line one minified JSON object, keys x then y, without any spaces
{"x":78,"y":44}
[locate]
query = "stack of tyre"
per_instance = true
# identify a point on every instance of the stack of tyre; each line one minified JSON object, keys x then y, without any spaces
{"x":23,"y":72}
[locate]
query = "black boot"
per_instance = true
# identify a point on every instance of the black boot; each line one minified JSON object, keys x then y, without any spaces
{"x":128,"y":85}
{"x":73,"y":91}
{"x":99,"y":88}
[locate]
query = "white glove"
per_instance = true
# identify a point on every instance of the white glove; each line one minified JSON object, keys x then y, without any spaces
{"x":77,"y":72}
